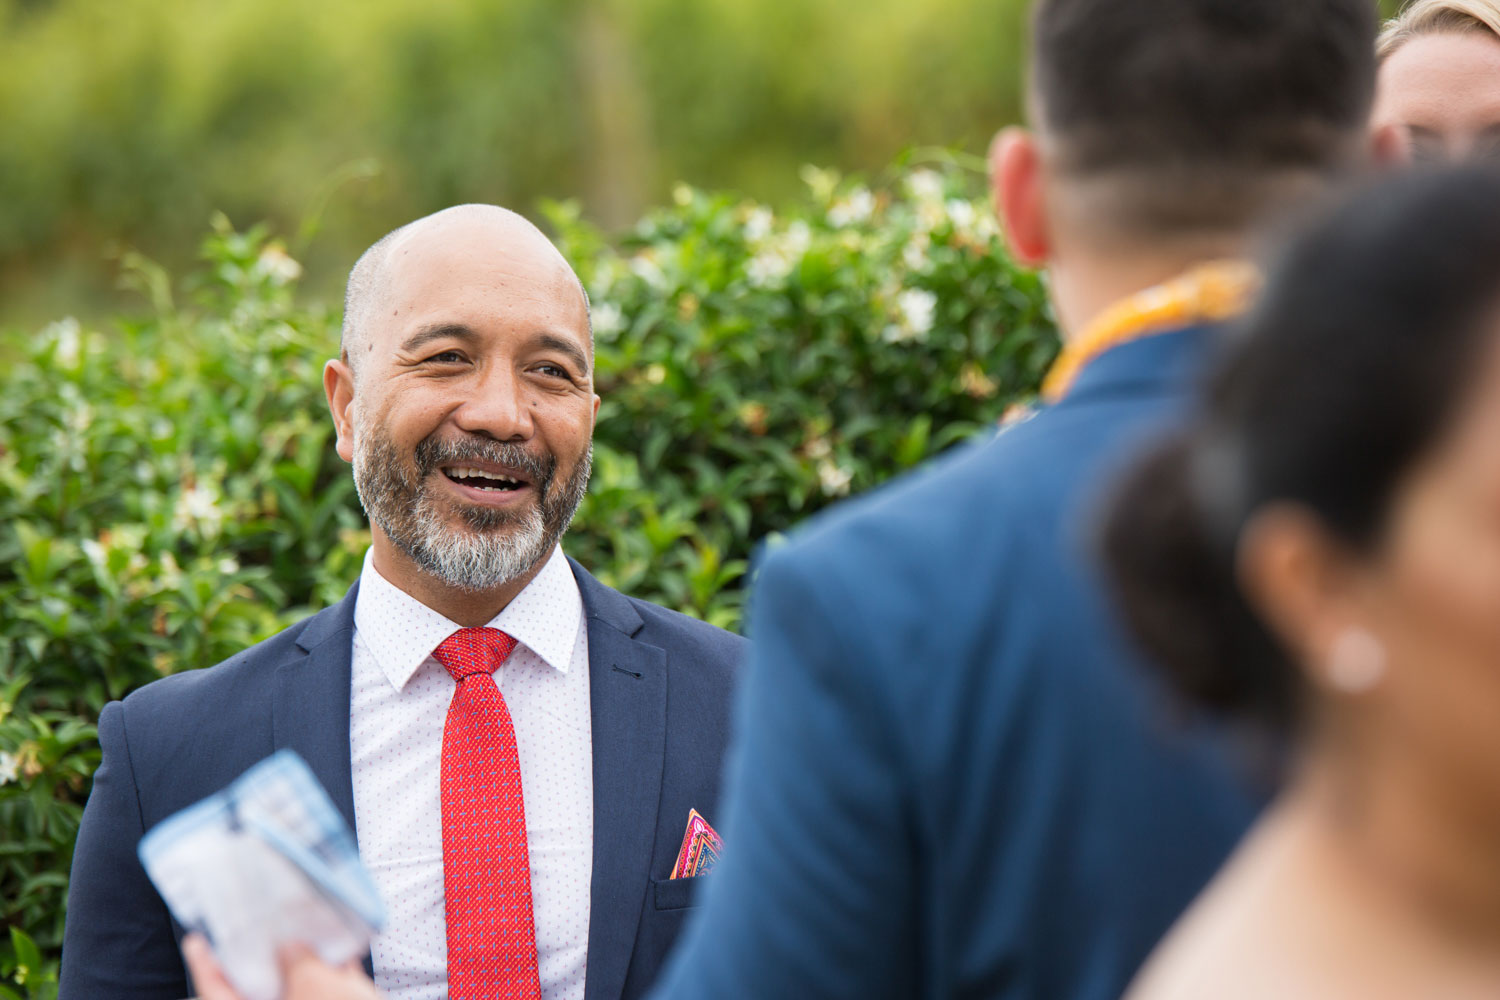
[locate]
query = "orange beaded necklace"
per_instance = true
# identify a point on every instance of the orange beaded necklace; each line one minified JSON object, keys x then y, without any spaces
{"x":1210,"y":293}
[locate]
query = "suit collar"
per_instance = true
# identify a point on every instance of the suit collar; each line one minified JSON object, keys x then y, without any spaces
{"x":310,"y":713}
{"x":1170,"y":361}
{"x":401,"y":632}
{"x":628,"y":698}
{"x":330,"y":621}
{"x":605,"y":603}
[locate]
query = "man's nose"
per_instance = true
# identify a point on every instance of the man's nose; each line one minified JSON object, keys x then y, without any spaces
{"x":496,"y":406}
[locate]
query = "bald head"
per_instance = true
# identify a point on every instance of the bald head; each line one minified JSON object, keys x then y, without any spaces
{"x":464,"y":234}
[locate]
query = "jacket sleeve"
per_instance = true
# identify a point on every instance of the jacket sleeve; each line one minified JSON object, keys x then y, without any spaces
{"x":118,"y":942}
{"x":817,"y":893}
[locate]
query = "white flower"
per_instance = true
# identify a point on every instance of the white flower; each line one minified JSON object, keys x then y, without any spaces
{"x":776,"y":261}
{"x":925,"y":185}
{"x":170,"y":572}
{"x":682,"y":195}
{"x":857,"y":207}
{"x":229,"y":565}
{"x":914,"y":254}
{"x":198,"y":505}
{"x":962,"y":213}
{"x":916,"y":306}
{"x":648,"y":270}
{"x":69,"y":340}
{"x":10,"y":767}
{"x":833,"y":478}
{"x":79,"y":418}
{"x":798,"y":239}
{"x":95,"y":552}
{"x":278,"y":265}
{"x":608,"y":320}
{"x":758,"y":224}
{"x":768,"y":268}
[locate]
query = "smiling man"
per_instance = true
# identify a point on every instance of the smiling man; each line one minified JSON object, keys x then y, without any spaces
{"x":517,"y":746}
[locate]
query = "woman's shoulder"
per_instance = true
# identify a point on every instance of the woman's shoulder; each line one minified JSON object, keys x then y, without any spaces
{"x":1242,"y":938}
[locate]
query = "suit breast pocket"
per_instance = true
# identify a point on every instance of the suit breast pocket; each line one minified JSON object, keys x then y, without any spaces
{"x":676,"y":893}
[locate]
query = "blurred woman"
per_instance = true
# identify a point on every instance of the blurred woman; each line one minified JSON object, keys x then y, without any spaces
{"x":1320,"y":551}
{"x":1439,"y":80}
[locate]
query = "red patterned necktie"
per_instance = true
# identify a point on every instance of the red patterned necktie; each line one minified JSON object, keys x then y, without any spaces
{"x":486,"y":866}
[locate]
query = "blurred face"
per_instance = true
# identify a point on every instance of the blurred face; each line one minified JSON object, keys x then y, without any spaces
{"x":1432,"y":597}
{"x":1443,"y":92}
{"x":473,"y":411}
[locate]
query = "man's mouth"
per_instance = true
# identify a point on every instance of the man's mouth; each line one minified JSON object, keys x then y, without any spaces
{"x":489,"y":480}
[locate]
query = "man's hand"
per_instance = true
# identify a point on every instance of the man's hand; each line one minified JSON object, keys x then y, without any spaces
{"x":303,"y":974}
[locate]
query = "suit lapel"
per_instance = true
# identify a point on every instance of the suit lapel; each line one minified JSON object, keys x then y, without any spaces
{"x":628,"y":695}
{"x":311,"y":711}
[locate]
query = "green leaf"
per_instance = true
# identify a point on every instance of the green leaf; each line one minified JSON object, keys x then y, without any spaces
{"x":27,"y":955}
{"x":913,"y":446}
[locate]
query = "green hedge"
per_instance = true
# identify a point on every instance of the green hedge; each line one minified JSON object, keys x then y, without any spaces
{"x":169,"y":492}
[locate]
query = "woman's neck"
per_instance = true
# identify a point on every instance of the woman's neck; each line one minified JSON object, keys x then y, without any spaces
{"x":1405,"y":838}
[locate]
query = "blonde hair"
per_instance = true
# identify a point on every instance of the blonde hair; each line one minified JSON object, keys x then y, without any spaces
{"x":1437,"y":17}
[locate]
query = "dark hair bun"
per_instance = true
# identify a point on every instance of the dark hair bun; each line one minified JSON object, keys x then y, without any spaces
{"x":1174,"y":582}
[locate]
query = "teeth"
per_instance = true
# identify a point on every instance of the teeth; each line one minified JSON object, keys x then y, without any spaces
{"x":467,"y":473}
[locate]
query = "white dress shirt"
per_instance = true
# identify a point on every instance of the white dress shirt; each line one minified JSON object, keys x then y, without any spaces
{"x":398,"y":703}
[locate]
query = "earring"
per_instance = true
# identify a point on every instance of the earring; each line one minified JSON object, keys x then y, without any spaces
{"x":1357,"y":661}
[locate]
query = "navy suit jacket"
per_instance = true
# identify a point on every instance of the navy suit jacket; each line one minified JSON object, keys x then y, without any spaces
{"x":949,"y":778}
{"x":660,"y":686}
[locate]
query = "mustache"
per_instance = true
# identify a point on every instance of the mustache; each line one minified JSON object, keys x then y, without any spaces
{"x":432,"y":453}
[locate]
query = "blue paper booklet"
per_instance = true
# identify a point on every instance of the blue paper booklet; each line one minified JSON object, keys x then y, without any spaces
{"x":266,"y":861}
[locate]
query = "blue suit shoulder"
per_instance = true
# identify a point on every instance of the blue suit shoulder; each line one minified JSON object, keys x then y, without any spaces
{"x":715,"y":648}
{"x":220,"y":692}
{"x":707,"y":650}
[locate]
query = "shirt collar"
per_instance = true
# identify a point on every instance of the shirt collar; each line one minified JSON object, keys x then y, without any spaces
{"x":401,"y":632}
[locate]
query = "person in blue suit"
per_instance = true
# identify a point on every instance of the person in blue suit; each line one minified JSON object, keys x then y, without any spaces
{"x":464,"y":399}
{"x":950,"y":777}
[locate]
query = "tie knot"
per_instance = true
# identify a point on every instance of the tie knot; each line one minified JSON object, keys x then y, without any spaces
{"x":472,"y":651}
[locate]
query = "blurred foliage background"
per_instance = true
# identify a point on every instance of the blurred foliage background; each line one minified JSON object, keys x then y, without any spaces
{"x":127,"y":123}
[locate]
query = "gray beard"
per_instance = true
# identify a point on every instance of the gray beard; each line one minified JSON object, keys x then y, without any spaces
{"x":499,"y":546}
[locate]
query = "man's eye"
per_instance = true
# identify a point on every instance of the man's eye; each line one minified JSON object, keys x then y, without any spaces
{"x":447,"y":357}
{"x":553,"y":370}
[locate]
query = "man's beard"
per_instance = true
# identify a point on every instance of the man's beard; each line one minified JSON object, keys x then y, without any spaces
{"x":499,"y":546}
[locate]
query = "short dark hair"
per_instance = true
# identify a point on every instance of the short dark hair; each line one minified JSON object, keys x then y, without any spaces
{"x":1355,"y":361}
{"x":1202,"y":104}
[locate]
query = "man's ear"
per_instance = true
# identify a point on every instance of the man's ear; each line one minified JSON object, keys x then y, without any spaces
{"x":338,"y":386}
{"x":1016,"y":182}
